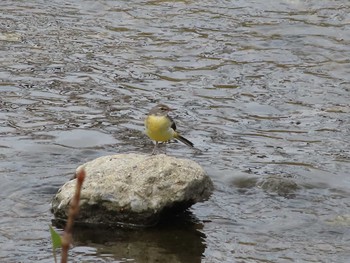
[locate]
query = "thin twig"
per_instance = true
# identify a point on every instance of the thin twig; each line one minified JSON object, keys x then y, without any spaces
{"x":73,"y":213}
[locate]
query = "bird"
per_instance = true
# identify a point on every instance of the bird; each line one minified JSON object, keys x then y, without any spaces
{"x":160,"y":127}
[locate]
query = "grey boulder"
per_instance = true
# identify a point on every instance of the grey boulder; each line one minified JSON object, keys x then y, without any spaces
{"x":134,"y":189}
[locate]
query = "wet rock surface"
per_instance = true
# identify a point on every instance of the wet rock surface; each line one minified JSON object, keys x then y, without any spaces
{"x":134,"y":189}
{"x":279,"y":185}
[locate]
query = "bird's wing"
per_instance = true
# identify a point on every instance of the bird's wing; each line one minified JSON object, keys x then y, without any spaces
{"x":173,"y":125}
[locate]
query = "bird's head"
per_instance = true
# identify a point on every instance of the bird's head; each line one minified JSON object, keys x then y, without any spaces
{"x":160,"y":109}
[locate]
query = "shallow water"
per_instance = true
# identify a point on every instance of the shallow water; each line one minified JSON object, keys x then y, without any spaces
{"x":261,"y":88}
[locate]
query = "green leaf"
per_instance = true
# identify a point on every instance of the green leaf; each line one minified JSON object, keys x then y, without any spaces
{"x":56,"y":241}
{"x":56,"y":238}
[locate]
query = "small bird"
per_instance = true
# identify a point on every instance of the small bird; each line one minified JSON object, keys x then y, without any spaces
{"x":160,"y":127}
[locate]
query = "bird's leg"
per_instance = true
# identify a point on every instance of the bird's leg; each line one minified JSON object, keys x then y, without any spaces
{"x":155,"y":148}
{"x":165,"y":148}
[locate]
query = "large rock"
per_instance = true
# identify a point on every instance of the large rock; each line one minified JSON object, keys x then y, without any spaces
{"x":134,"y":189}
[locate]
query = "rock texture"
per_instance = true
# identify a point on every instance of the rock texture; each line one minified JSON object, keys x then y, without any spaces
{"x":134,"y":189}
{"x":277,"y":184}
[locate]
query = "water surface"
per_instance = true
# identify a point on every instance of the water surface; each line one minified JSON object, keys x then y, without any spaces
{"x":260,"y":87}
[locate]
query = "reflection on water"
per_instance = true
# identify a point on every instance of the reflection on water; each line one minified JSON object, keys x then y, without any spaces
{"x":260,"y":87}
{"x":178,"y":240}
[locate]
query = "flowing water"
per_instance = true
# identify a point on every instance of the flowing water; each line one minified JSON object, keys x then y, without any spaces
{"x":262,"y":88}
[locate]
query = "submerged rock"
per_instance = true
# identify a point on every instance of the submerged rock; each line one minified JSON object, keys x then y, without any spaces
{"x":278,"y":185}
{"x":134,"y":189}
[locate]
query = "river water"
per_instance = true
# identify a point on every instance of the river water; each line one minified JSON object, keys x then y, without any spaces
{"x":262,"y":88}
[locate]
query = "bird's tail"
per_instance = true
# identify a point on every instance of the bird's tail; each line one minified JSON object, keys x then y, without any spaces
{"x":183,"y":140}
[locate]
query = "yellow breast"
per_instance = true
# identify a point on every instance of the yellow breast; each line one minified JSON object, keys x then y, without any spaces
{"x":158,"y":128}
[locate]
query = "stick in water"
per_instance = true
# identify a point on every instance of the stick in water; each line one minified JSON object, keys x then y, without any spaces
{"x":73,"y":213}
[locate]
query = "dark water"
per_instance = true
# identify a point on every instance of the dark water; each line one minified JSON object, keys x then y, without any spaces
{"x":261,"y":87}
